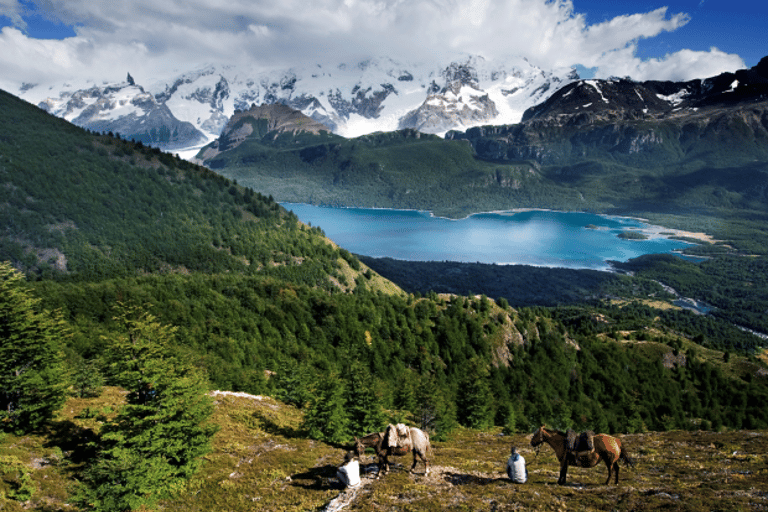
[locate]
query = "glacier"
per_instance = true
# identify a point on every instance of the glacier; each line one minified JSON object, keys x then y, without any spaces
{"x":352,"y":99}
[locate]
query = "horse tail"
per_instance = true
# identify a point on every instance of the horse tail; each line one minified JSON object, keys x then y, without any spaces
{"x":625,"y":457}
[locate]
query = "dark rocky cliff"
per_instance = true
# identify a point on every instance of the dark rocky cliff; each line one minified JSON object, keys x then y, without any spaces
{"x":643,"y":124}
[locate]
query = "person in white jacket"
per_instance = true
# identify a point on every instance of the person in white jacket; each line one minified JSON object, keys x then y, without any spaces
{"x":349,"y":473}
{"x":516,"y":469}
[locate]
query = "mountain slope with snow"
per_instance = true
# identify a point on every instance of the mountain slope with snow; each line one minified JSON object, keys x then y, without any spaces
{"x":352,"y":100}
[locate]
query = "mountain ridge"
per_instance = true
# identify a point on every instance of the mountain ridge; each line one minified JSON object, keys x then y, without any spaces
{"x":718,"y":121}
{"x":377,"y":94}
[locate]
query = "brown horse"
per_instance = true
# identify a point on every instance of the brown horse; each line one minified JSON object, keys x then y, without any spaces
{"x":607,"y":448}
{"x":420,"y":447}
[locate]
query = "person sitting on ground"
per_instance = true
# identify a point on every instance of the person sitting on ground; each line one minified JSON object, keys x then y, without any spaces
{"x":516,"y":469}
{"x":349,"y":473}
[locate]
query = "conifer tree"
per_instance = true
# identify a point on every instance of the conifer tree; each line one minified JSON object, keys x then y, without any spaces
{"x":32,"y":384}
{"x":87,"y":378}
{"x":158,"y":438}
{"x":363,"y":405}
{"x":474,"y":400}
{"x":326,"y":418}
{"x":405,"y":392}
{"x":436,"y":412}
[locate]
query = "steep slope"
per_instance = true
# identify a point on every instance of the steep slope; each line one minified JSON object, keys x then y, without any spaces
{"x":271,"y":120}
{"x":648,"y":124}
{"x":377,"y":94}
{"x":626,"y":99}
{"x":94,"y":207}
{"x":688,"y":145}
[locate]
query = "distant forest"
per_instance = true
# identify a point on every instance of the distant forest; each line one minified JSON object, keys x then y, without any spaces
{"x":262,"y":303}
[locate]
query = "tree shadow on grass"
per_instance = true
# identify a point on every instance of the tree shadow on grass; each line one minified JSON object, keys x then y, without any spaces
{"x":271,"y":427}
{"x":464,"y":479}
{"x":77,"y":442}
{"x":321,"y":478}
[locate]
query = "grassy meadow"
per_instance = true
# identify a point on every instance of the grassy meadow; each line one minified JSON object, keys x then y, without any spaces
{"x":261,"y":460}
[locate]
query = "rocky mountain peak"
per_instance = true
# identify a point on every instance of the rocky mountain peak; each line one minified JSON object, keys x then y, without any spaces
{"x":261,"y":121}
{"x":280,"y":118}
{"x":377,"y":94}
{"x":626,"y":99}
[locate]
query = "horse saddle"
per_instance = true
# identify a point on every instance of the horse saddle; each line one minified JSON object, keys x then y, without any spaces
{"x":580,"y":444}
{"x":399,"y":436}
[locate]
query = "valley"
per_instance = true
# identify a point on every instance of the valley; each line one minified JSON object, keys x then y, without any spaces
{"x":145,"y":279}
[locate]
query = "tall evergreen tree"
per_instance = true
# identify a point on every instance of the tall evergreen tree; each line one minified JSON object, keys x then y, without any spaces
{"x":435,"y":411}
{"x":363,"y":404}
{"x":32,"y":384}
{"x":158,"y":438}
{"x":326,"y":417}
{"x":475,"y":400}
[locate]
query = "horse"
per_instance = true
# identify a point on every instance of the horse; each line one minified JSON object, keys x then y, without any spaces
{"x":379,"y":441}
{"x":607,"y":448}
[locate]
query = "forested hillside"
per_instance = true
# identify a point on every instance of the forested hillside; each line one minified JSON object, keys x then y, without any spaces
{"x":259,"y":299}
{"x":132,"y":268}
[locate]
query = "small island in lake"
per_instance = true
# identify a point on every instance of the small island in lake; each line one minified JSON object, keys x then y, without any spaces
{"x":632,"y":235}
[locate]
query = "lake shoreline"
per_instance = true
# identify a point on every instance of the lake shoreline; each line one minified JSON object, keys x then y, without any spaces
{"x":533,"y":237}
{"x":650,"y":230}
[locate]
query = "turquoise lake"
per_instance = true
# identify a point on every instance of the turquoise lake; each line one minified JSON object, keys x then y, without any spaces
{"x":537,"y":237}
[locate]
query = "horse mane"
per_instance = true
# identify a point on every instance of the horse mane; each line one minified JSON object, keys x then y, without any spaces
{"x":552,"y":431}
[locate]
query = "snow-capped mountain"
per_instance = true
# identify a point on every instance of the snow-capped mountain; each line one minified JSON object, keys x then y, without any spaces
{"x":127,"y":109}
{"x":352,"y":100}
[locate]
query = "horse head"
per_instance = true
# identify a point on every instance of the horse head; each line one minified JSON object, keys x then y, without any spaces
{"x":538,"y":437}
{"x":359,"y":447}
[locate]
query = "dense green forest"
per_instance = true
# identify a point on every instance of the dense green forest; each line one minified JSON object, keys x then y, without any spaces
{"x":734,"y":287}
{"x":130,"y":254}
{"x":404,"y":169}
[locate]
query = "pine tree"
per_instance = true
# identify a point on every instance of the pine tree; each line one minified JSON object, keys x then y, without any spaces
{"x":32,"y":384}
{"x":158,"y":438}
{"x":436,"y":413}
{"x":326,"y":418}
{"x":362,"y":404}
{"x":87,"y":379}
{"x":475,"y":399}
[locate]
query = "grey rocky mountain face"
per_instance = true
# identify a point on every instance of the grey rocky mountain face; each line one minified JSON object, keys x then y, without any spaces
{"x":351,"y":100}
{"x":618,"y":120}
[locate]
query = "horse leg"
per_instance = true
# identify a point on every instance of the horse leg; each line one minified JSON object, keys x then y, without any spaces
{"x":609,"y":465}
{"x":616,"y":470}
{"x":382,"y":465}
{"x":563,"y":472}
{"x":423,"y":458}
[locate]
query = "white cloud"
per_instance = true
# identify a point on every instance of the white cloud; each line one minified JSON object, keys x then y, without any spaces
{"x":679,"y":66}
{"x":153,"y":38}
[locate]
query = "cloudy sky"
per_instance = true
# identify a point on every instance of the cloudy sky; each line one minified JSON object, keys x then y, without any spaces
{"x":43,"y":41}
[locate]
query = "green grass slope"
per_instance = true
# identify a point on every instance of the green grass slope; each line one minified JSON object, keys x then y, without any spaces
{"x":261,"y":460}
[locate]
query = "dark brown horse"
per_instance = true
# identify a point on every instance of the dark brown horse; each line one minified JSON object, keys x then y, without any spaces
{"x":420,"y":447}
{"x":607,"y":448}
